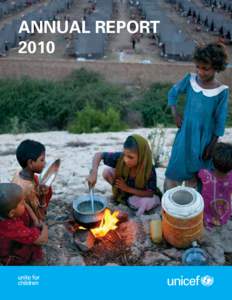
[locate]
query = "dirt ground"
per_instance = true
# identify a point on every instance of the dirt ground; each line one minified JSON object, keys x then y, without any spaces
{"x":119,"y":47}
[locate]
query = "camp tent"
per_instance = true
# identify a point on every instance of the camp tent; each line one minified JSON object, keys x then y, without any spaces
{"x":92,"y":46}
{"x":175,"y":43}
{"x":9,"y":34}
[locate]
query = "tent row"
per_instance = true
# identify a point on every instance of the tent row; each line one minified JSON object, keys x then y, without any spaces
{"x":174,"y":42}
{"x":92,"y":45}
{"x":9,"y":6}
{"x":9,"y":33}
{"x":214,"y":21}
{"x":224,"y":4}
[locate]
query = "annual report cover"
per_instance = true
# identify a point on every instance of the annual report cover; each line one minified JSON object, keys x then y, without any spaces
{"x":115,"y":147}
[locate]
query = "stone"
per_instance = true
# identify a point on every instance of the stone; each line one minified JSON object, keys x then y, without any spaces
{"x":175,"y":263}
{"x":148,"y":243}
{"x":147,"y":218}
{"x":154,"y":258}
{"x":76,"y":261}
{"x":217,"y":241}
{"x":84,"y":240}
{"x":111,"y":265}
{"x":216,"y":253}
{"x":173,"y":253}
{"x":135,"y":254}
{"x":60,"y":231}
{"x":57,"y":256}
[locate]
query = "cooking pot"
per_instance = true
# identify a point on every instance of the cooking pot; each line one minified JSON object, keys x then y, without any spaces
{"x":83,"y":213}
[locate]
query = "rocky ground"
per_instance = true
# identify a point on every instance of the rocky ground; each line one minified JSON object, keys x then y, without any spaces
{"x":76,"y":152}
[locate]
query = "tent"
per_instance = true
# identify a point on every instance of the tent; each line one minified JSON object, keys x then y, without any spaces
{"x":175,"y":44}
{"x":9,"y":36}
{"x":92,"y":46}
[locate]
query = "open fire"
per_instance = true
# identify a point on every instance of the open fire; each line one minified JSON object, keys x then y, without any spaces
{"x":109,"y":222}
{"x":114,"y":237}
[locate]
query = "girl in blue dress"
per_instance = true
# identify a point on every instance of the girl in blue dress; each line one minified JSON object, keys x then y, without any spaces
{"x":204,"y":116}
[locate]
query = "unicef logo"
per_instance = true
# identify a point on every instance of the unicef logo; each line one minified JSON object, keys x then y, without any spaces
{"x":207,"y":280}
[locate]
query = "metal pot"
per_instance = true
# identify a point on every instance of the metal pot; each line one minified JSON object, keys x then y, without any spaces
{"x":89,"y":219}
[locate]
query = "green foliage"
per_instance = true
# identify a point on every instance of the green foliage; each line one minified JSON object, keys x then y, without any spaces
{"x":40,"y":105}
{"x":83,"y":102}
{"x":153,"y":106}
{"x":154,"y":109}
{"x":92,"y":120}
{"x":16,"y":127}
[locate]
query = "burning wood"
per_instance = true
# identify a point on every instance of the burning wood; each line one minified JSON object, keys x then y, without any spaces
{"x":108,"y":223}
{"x":112,"y":239}
{"x":116,"y":245}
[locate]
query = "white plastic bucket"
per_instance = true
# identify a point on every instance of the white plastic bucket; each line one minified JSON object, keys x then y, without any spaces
{"x":182,"y":216}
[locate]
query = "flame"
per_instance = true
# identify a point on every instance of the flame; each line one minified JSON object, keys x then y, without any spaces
{"x":108,"y":223}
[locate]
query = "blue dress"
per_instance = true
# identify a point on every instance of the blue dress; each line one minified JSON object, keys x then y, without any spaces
{"x":204,"y":116}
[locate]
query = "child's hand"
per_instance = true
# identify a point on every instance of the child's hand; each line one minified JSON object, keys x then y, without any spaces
{"x":209,"y":148}
{"x":207,"y":152}
{"x":33,"y":216}
{"x":92,"y":179}
{"x":178,"y":120}
{"x":43,"y":190}
{"x":120,"y":184}
{"x":38,"y":224}
{"x":176,"y":116}
{"x":43,"y":238}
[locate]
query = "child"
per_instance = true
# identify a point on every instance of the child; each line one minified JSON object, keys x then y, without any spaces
{"x":217,"y":186}
{"x":132,"y":175}
{"x":204,"y":116}
{"x":31,"y":157}
{"x":20,"y":240}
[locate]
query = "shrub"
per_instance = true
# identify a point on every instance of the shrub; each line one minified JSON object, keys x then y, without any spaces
{"x":93,"y":120}
{"x":46,"y":105}
{"x":154,"y":109}
{"x":39,"y":105}
{"x":153,"y":106}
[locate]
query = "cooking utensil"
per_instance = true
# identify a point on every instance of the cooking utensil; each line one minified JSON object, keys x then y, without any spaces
{"x":92,"y":198}
{"x":83,"y":213}
{"x":49,"y":173}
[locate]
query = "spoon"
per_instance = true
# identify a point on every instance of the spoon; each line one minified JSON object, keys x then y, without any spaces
{"x":91,"y":198}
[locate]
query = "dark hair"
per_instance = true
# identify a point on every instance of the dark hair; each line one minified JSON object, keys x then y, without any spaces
{"x":222,"y":157}
{"x":29,"y":149}
{"x":130,"y":144}
{"x":10,"y":196}
{"x":213,"y":54}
